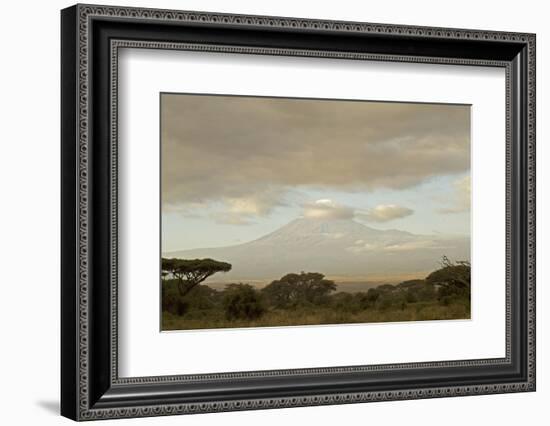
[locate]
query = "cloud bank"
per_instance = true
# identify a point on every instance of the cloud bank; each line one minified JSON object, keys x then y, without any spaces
{"x":247,"y":152}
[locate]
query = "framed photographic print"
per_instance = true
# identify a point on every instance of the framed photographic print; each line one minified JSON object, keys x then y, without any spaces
{"x":263,"y":212}
{"x":322,"y":193}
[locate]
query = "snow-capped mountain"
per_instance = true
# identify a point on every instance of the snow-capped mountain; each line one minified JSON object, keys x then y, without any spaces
{"x":341,"y":247}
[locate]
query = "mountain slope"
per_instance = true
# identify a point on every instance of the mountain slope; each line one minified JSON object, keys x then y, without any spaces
{"x":334,"y":248}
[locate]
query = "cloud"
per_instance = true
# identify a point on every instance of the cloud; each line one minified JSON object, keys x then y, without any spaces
{"x":244,"y":210}
{"x":406,"y":246}
{"x":227,"y":147}
{"x":462,"y":196}
{"x":415,"y":245}
{"x":363,"y":247}
{"x":385,"y":213}
{"x":257,"y":206}
{"x":228,"y":218}
{"x":327,"y":209}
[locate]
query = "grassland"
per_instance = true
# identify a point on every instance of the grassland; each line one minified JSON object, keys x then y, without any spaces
{"x":420,"y":311}
{"x":308,"y":298}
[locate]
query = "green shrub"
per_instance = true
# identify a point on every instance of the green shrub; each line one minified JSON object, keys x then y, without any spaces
{"x":171,"y":301}
{"x":199,"y":298}
{"x":411,"y":296}
{"x":372,"y":296}
{"x":242,"y":301}
{"x":344,"y":302}
{"x":362,"y":300}
{"x":174,"y":305}
{"x":385,"y":302}
{"x":445,"y":300}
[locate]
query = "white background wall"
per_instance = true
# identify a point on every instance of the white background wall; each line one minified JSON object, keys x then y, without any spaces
{"x":29,"y":223}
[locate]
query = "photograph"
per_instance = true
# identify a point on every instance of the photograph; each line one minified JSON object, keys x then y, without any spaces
{"x":292,"y":211}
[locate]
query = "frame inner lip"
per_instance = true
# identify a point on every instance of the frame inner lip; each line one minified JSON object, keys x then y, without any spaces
{"x":115,"y":45}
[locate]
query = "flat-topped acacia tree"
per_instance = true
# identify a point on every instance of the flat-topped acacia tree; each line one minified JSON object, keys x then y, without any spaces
{"x":451,"y":274}
{"x":191,"y":272}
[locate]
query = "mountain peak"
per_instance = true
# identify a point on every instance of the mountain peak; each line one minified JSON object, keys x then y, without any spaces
{"x":341,"y":247}
{"x":322,"y":226}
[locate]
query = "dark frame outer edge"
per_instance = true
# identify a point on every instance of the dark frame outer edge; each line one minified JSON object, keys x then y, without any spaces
{"x":69,"y":315}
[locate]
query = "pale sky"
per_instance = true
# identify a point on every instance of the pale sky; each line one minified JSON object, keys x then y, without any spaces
{"x":236,"y":168}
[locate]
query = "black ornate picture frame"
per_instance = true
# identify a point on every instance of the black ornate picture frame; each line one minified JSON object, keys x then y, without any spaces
{"x":91,"y":38}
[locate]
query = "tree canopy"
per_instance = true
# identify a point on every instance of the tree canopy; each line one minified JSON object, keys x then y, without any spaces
{"x":294,"y":288}
{"x":191,"y":272}
{"x":242,"y":301}
{"x":451,"y":274}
